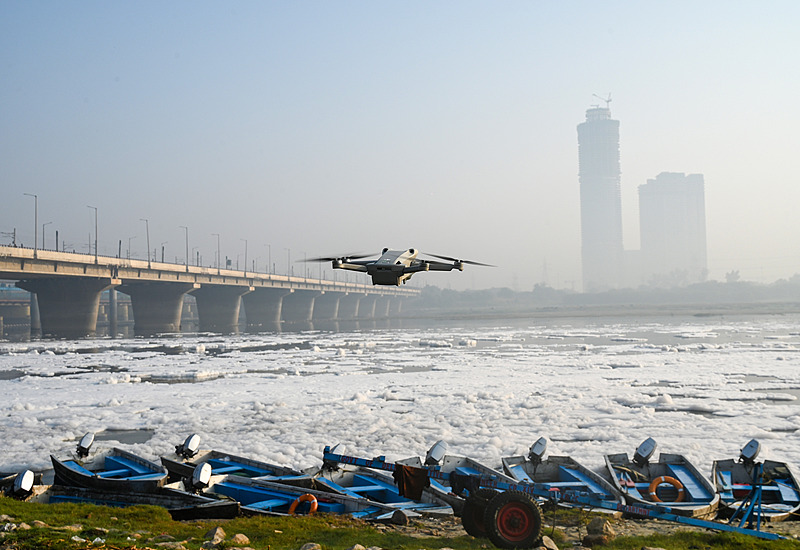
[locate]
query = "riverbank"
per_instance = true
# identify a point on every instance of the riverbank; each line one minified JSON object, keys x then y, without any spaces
{"x":26,"y":526}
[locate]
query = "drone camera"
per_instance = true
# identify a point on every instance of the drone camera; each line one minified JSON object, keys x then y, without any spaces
{"x":436,"y":453}
{"x":84,"y":445}
{"x":189,"y":447}
{"x":645,"y":451}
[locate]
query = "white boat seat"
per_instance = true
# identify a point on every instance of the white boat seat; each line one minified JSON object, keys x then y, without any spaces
{"x":124,"y":472}
{"x":153,"y":475}
{"x":115,"y":462}
{"x":788,"y":493}
{"x":72,"y":465}
{"x":695,"y":491}
{"x":590,"y":484}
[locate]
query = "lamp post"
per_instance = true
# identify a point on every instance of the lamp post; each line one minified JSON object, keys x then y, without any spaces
{"x":186,"y":229}
{"x":162,"y":251}
{"x":129,"y":246}
{"x":218,"y":257}
{"x":147,"y":230}
{"x":95,"y":231}
{"x":245,"y":257}
{"x":288,"y":260}
{"x":43,"y":226}
{"x":35,"y":221}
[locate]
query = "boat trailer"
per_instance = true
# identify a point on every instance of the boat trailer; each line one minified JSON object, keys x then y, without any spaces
{"x":508,"y":514}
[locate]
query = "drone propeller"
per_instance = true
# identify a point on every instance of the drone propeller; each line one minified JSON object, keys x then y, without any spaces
{"x":334,"y":258}
{"x":449,"y":259}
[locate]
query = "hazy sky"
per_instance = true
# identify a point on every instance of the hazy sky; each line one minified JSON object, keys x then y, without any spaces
{"x":322,"y":128}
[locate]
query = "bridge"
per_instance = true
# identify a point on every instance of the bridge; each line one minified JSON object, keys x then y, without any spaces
{"x":68,"y":287}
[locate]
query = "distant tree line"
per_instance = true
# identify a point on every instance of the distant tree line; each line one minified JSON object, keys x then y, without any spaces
{"x":733,"y":291}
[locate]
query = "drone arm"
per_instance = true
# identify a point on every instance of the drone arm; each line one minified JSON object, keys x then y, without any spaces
{"x":442,"y":266}
{"x":416,"y":267}
{"x":350,"y":266}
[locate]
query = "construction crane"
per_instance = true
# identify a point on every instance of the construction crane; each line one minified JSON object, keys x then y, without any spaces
{"x":606,"y":99}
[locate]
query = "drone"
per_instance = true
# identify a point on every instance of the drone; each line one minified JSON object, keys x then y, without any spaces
{"x":395,"y":266}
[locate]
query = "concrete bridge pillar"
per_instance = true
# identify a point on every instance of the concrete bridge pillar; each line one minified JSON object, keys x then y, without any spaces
{"x":366,"y":308}
{"x":382,"y":304}
{"x":112,"y":313}
{"x":156,"y":306}
{"x":396,"y":306}
{"x":263,"y":306}
{"x":349,"y":306}
{"x":298,"y":307}
{"x":218,"y":307}
{"x":326,"y":307}
{"x":68,"y":307}
{"x":36,"y":321}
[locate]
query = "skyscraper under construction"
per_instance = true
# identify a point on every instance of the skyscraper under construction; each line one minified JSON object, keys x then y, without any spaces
{"x":601,"y":205}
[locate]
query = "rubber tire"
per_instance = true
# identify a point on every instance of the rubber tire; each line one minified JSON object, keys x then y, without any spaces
{"x":474,"y":510}
{"x":513,"y":520}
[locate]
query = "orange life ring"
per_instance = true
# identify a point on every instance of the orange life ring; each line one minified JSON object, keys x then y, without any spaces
{"x":311,"y":499}
{"x":666,"y":479}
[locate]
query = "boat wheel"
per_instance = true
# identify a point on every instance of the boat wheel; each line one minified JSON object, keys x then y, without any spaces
{"x":474,"y":510}
{"x":513,"y":520}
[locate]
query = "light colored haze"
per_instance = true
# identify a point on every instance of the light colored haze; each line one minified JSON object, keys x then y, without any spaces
{"x":320,"y":128}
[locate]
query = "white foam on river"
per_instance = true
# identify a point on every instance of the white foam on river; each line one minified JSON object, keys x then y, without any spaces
{"x":701,"y":387}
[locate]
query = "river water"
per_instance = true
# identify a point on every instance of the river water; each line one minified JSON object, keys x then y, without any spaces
{"x":701,"y":386}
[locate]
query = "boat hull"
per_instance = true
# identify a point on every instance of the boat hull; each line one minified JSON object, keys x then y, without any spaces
{"x":180,"y":504}
{"x":364,"y":483}
{"x":121,"y":472}
{"x":633,"y":480}
{"x":562,"y":473}
{"x":228,"y":464}
{"x":780,"y":490}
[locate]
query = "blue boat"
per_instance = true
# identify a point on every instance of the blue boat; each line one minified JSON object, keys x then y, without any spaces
{"x":376,"y":486}
{"x":222,"y":463}
{"x":773,"y":484}
{"x":116,"y":471}
{"x":672,"y":481}
{"x":559,"y":473}
{"x":437,"y":459}
{"x":261,"y":496}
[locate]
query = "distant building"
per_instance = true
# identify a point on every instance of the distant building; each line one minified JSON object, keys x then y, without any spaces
{"x":672,"y":225}
{"x":601,"y":204}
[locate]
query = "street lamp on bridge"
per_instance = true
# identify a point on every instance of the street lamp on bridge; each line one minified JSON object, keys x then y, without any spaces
{"x":245,"y":257}
{"x":219,"y":260}
{"x":147,"y":229}
{"x":95,"y":231}
{"x":35,"y":220}
{"x":129,"y":246}
{"x":186,"y":229}
{"x":43,"y":226}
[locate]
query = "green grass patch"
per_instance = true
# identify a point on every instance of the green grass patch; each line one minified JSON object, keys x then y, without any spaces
{"x":145,"y":526}
{"x":76,"y":526}
{"x":684,"y":540}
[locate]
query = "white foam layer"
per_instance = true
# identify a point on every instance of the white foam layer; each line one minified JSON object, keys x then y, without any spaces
{"x":701,"y":389}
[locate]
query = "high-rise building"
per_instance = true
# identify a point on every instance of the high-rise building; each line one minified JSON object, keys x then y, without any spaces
{"x":601,"y":204}
{"x":672,"y":226}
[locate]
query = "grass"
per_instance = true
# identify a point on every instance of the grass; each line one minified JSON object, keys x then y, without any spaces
{"x":146,"y":526}
{"x":76,"y":526}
